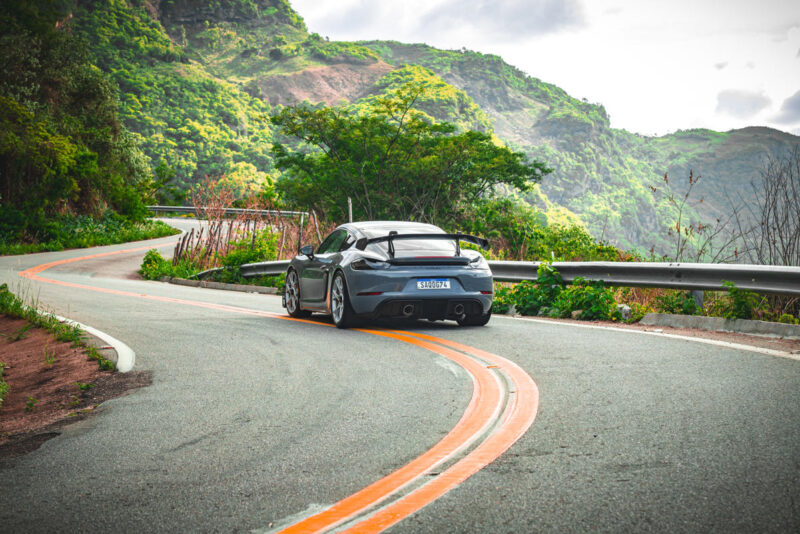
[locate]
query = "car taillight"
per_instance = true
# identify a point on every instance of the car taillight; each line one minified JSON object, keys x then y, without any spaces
{"x":368,"y":265}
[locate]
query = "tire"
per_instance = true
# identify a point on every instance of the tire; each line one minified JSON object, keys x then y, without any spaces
{"x":292,"y":296}
{"x":341,"y":311}
{"x":475,"y":320}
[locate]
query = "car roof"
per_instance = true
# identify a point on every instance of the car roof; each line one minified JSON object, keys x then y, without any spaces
{"x":387,"y":226}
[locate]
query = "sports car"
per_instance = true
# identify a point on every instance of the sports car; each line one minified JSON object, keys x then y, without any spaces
{"x":385,"y":269}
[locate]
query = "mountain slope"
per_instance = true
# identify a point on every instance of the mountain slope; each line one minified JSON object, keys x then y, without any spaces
{"x":602,"y":174}
{"x":198,"y":80}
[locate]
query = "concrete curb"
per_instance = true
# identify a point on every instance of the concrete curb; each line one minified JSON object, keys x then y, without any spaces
{"x":718,"y":324}
{"x":124,"y":357}
{"x":246,"y":288}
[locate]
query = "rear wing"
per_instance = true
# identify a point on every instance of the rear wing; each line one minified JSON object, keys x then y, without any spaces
{"x":362,"y":243}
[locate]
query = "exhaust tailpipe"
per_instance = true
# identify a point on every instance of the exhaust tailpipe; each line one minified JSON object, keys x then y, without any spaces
{"x":408,"y":310}
{"x":458,"y":309}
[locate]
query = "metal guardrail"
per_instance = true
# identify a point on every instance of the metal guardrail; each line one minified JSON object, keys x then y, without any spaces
{"x":228,"y":211}
{"x":689,"y":276}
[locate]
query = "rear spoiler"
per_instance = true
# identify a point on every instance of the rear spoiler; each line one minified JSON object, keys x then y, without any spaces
{"x":362,"y":243}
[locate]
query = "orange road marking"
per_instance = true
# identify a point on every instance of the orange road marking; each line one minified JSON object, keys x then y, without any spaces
{"x":518,"y":418}
{"x":481,"y":412}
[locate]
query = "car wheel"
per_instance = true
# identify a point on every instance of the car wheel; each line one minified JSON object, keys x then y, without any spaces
{"x":341,"y":310}
{"x":292,"y":295}
{"x":475,"y":320}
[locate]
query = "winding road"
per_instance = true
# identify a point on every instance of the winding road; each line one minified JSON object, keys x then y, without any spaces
{"x":259,"y":423}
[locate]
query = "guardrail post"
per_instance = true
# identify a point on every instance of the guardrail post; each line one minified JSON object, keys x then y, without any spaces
{"x":698,"y":298}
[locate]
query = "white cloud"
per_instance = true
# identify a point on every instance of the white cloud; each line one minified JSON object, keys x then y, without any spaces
{"x":790,"y":110}
{"x":510,"y":20}
{"x":741,"y":104}
{"x":646,"y":61}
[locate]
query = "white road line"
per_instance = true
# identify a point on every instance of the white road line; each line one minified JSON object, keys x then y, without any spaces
{"x":125,"y":355}
{"x":726,"y":344}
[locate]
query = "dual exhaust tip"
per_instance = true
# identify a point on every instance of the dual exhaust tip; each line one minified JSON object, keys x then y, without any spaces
{"x":408,"y":310}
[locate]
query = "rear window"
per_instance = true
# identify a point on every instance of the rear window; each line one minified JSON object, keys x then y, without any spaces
{"x":414,"y":247}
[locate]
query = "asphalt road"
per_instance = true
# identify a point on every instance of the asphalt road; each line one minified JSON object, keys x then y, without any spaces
{"x":252,"y":420}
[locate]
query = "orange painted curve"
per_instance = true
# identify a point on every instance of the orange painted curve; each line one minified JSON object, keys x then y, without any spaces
{"x":518,"y":418}
{"x":481,"y":412}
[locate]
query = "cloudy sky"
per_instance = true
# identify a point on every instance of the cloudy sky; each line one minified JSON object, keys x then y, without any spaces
{"x":657,"y":66}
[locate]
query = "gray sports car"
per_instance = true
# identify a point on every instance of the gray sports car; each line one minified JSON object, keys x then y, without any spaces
{"x":369,"y":270}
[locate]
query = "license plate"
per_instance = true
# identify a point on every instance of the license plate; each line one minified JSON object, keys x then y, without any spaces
{"x":433,"y":283}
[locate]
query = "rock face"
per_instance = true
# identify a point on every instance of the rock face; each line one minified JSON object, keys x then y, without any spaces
{"x":330,"y":84}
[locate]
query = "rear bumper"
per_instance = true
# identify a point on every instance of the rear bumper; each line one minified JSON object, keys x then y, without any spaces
{"x":432,"y":308}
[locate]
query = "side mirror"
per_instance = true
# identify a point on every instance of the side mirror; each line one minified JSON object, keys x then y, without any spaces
{"x":307,"y":250}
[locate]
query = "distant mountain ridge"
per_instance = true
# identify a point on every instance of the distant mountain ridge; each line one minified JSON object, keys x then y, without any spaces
{"x":257,"y":54}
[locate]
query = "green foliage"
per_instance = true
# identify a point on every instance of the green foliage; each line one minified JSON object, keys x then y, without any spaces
{"x":531,"y":298}
{"x":673,"y":301}
{"x":155,"y":267}
{"x":788,"y":318}
{"x":187,"y":121}
{"x":638,"y":311}
{"x":520,"y":232}
{"x":69,"y":231}
{"x":62,"y":147}
{"x":49,"y":356}
{"x":392,"y":162}
{"x":591,"y":299}
{"x":436,"y":98}
{"x":502,"y":300}
{"x":550,"y":296}
{"x":12,"y":305}
{"x":338,"y":51}
{"x":247,"y":250}
{"x":737,"y":303}
{"x":4,"y":387}
{"x":30,"y":403}
{"x":263,"y":248}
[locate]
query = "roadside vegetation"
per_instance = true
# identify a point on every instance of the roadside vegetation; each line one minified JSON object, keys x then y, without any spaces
{"x":71,"y":175}
{"x":70,"y":231}
{"x":14,"y":306}
{"x":549,"y":296}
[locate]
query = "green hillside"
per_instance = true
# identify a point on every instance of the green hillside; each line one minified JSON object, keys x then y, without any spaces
{"x":198,"y":80}
{"x":602,"y":174}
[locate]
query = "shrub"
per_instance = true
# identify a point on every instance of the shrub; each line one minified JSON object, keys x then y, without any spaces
{"x":531,"y":297}
{"x":737,"y":303}
{"x":154,"y":266}
{"x":503,"y":298}
{"x":788,"y":318}
{"x":592,"y":299}
{"x":680,"y":302}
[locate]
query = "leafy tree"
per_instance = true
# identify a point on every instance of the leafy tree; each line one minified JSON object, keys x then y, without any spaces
{"x":62,"y":147}
{"x":393,"y":161}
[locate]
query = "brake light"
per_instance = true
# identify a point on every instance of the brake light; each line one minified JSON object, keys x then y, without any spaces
{"x":368,"y":265}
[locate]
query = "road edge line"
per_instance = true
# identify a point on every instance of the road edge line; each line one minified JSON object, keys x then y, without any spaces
{"x":126,"y":358}
{"x":717,"y":342}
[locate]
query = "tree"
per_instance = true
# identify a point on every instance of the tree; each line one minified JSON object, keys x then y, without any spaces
{"x":775,"y":239}
{"x":393,"y":160}
{"x":62,"y":146}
